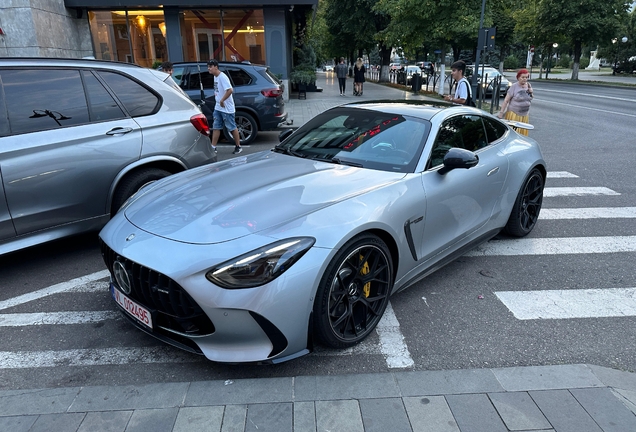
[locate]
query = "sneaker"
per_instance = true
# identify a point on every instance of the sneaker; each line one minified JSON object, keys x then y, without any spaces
{"x":237,"y":150}
{"x":214,"y":149}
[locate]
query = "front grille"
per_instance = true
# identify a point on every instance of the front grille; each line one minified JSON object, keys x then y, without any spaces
{"x":174,"y":309}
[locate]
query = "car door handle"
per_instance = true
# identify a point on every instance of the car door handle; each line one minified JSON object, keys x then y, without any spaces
{"x":493,"y":171}
{"x":119,"y":131}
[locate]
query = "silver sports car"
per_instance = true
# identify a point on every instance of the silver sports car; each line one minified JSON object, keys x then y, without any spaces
{"x":258,"y":258}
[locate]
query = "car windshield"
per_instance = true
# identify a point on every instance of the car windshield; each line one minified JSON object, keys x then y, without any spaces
{"x":360,"y":137}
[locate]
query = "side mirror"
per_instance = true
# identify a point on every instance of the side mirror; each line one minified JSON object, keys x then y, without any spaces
{"x":285,"y":134}
{"x":458,"y":158}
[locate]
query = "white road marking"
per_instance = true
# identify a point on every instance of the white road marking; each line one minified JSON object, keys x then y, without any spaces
{"x":55,"y":318}
{"x":392,"y":341}
{"x":94,"y":357}
{"x":588,"y":213}
{"x":577,"y":191}
{"x":555,"y":246}
{"x":587,"y":108}
{"x":567,"y":304}
{"x":561,"y":174}
{"x":594,"y":96}
{"x":77,"y":284}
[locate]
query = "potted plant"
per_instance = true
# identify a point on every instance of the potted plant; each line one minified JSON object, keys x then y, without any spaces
{"x":302,"y":77}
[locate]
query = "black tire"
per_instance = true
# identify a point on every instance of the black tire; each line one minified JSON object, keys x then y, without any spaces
{"x":132,"y":182}
{"x":525,"y":212}
{"x":246,"y":126}
{"x":353,"y":292}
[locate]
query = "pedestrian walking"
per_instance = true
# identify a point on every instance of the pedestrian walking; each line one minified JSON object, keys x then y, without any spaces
{"x":341,"y":74}
{"x":516,"y":105}
{"x":224,"y":109}
{"x":358,"y":77}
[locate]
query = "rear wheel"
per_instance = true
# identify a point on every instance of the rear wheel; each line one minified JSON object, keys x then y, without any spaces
{"x":132,"y":183}
{"x":247,"y":128}
{"x":353,"y":292}
{"x":525,"y":212}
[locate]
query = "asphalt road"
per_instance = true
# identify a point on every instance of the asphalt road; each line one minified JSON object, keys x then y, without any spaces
{"x":454,"y":319}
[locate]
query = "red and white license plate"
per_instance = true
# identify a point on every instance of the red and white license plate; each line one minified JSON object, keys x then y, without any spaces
{"x":140,"y":313}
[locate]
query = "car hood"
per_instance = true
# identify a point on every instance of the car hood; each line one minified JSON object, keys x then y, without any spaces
{"x":231,"y":199}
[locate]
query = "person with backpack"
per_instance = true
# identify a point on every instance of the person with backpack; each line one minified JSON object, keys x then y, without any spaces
{"x":462,"y":94}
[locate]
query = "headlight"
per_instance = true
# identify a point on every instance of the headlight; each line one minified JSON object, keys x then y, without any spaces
{"x":260,"y":266}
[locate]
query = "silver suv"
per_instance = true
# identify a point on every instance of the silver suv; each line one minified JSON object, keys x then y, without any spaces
{"x":79,"y":137}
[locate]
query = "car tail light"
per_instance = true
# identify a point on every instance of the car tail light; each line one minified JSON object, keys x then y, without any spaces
{"x":200,"y":122}
{"x":272,"y":92}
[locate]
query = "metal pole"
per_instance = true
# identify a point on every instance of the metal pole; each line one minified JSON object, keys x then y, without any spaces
{"x":473,"y":83}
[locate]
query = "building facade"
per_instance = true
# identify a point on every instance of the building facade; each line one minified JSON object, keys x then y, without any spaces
{"x":142,"y":32}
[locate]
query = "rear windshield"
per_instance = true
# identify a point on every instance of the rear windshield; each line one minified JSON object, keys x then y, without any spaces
{"x":270,"y":76}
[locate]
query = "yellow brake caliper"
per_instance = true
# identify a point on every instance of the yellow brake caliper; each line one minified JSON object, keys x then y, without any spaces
{"x":364,"y":271}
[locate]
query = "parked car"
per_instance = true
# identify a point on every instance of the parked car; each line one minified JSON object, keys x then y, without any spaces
{"x":412,"y":69}
{"x":487,"y":85}
{"x":79,"y":137}
{"x":258,"y":95}
{"x":256,"y":261}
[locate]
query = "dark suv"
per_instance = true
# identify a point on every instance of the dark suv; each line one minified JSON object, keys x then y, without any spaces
{"x":258,"y":95}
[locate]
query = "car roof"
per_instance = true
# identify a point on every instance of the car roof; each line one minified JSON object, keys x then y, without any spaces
{"x":74,"y":62}
{"x":221,"y":63}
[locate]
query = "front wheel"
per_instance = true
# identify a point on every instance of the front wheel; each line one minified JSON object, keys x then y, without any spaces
{"x":525,"y":212}
{"x":247,"y":128}
{"x":353,"y":292}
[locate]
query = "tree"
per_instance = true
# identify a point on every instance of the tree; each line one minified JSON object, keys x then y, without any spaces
{"x":582,"y":21}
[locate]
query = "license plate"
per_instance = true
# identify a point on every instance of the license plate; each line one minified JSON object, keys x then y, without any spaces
{"x":138,"y":312}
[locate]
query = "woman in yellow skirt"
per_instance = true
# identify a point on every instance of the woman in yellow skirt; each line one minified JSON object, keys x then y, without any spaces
{"x":516,"y":105}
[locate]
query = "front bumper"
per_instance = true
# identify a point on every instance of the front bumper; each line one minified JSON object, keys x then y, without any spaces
{"x":267,"y":324}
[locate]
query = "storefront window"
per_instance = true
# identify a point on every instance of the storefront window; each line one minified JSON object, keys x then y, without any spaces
{"x":139,"y":36}
{"x":136,"y":36}
{"x":229,"y":35}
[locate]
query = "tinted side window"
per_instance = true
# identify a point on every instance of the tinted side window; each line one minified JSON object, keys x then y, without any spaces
{"x":4,"y":120}
{"x":239,"y":77}
{"x":178,"y":73}
{"x":101,"y":104}
{"x":195,"y":78}
{"x":494,"y":129}
{"x":137,"y":99}
{"x":42,"y":99}
{"x":464,"y":131}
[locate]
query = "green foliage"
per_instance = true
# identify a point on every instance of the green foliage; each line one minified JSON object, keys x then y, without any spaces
{"x":565,"y":62}
{"x":156,"y":64}
{"x":302,"y":75}
{"x":511,"y":62}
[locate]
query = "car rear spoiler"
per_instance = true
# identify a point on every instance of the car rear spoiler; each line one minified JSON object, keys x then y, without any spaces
{"x":518,"y":124}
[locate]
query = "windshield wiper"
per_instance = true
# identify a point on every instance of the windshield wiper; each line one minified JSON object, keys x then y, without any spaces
{"x":337,"y":160}
{"x":288,"y":151}
{"x":343,"y":162}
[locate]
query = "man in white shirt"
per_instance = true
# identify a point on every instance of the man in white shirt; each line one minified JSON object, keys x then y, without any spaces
{"x":224,"y":109}
{"x":461,"y":90}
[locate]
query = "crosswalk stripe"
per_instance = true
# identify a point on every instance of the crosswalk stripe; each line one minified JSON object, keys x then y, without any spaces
{"x":55,"y":318}
{"x":555,"y":246}
{"x":94,"y":357}
{"x":561,"y":174}
{"x":550,"y":192}
{"x":567,"y":304}
{"x":78,"y":284}
{"x":588,"y":213}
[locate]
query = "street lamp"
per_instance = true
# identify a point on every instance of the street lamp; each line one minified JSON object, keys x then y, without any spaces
{"x":624,"y":40}
{"x":547,"y":71}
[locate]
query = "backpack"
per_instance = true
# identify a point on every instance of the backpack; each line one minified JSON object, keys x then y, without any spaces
{"x":469,"y":100}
